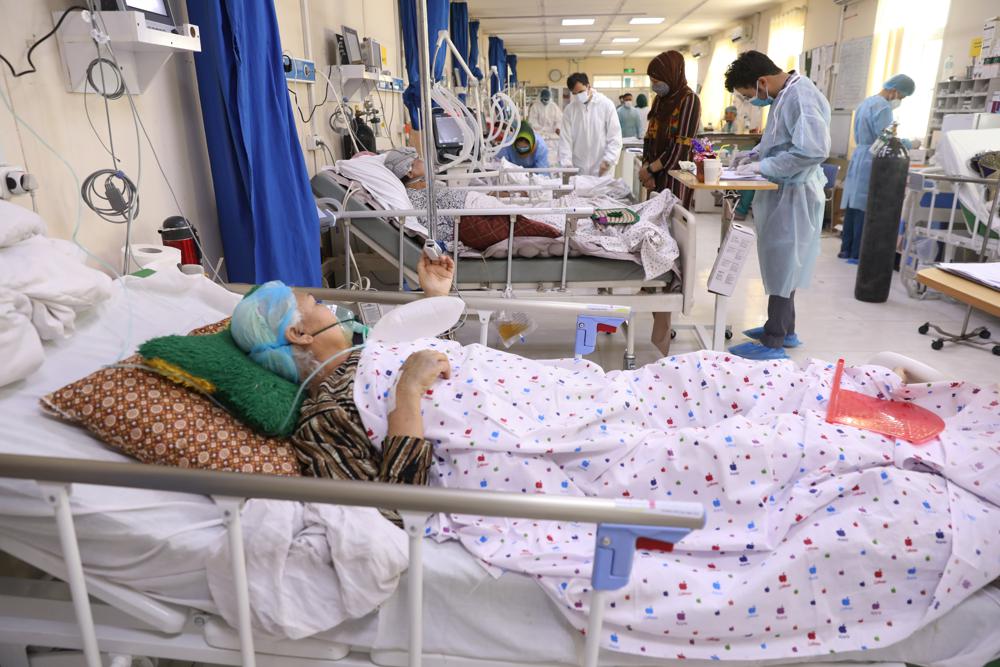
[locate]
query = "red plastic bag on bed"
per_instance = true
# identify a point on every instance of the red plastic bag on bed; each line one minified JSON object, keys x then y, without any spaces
{"x":896,"y":419}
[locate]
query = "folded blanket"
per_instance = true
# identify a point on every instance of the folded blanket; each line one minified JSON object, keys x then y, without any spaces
{"x":43,"y":285}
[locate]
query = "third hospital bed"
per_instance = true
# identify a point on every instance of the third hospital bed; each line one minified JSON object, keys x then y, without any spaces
{"x":145,"y":554}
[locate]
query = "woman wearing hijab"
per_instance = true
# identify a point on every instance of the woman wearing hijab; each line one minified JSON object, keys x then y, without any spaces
{"x":528,"y":150}
{"x":674,"y":120}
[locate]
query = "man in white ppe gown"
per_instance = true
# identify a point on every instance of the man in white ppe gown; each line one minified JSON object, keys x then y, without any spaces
{"x":591,"y":136}
{"x":795,"y":143}
{"x":545,"y":117}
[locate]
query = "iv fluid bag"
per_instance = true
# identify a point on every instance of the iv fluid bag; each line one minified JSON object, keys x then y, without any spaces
{"x":424,"y":318}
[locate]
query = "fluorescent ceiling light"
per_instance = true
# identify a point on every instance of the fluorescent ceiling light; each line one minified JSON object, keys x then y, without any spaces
{"x":572,"y":40}
{"x":625,"y":40}
{"x":578,"y":21}
{"x":612,"y":52}
{"x":646,"y":20}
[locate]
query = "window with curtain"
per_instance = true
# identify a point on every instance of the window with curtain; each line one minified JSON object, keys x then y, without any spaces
{"x":907,"y":40}
{"x":784,"y":43}
{"x":714,"y":96}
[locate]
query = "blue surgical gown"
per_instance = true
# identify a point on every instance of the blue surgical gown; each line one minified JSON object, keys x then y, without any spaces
{"x":872,"y":116}
{"x":631,"y":121}
{"x":795,"y":143}
{"x":536,"y":160}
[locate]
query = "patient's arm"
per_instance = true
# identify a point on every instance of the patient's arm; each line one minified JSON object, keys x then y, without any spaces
{"x":420,"y":370}
{"x":435,"y":275}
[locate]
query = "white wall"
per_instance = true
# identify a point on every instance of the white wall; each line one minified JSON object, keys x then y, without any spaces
{"x":170,"y":110}
{"x":965,"y":21}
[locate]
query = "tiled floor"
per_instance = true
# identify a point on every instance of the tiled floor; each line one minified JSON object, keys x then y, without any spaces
{"x":830,"y":321}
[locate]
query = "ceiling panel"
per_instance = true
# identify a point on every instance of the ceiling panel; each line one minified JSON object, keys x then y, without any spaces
{"x":532,"y":28}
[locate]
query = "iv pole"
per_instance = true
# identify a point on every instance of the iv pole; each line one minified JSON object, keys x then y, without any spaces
{"x":426,"y":116}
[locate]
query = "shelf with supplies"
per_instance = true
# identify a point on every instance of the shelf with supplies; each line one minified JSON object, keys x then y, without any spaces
{"x":962,"y":96}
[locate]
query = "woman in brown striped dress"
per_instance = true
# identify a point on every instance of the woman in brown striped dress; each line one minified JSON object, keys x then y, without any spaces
{"x":674,"y":119}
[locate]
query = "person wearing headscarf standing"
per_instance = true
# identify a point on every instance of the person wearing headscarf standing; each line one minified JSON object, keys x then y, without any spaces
{"x":674,"y":120}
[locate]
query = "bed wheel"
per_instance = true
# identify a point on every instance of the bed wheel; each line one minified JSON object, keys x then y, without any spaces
{"x":924,"y":328}
{"x":937,"y":344}
{"x":729,"y":334}
{"x":985,"y":333}
{"x":996,"y":350}
{"x":673,"y":334}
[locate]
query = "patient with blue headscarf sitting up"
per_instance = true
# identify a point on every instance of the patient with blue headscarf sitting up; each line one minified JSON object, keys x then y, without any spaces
{"x":293,"y":335}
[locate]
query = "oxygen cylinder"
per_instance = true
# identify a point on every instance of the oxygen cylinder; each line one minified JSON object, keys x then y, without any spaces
{"x":886,"y":190}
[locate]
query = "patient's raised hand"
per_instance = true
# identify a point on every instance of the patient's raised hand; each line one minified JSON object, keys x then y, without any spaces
{"x":435,"y":275}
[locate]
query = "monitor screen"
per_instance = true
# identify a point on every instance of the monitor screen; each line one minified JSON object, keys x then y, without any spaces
{"x":154,"y":6}
{"x":448,"y":132}
{"x":353,"y":45}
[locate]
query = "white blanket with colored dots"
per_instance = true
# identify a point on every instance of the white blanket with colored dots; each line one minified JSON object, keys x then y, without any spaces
{"x":819,"y":538}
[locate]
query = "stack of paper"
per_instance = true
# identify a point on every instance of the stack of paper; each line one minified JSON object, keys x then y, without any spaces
{"x":731,"y":175}
{"x":987,"y":273}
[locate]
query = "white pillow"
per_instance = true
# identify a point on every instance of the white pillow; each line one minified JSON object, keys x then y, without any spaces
{"x":382,"y":184}
{"x":17,"y":224}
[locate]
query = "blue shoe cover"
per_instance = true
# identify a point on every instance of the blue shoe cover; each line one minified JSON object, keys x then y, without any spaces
{"x":791,"y":340}
{"x":757,"y":352}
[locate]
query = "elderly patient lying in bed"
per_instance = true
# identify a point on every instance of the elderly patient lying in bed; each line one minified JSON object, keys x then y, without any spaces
{"x":820,"y":537}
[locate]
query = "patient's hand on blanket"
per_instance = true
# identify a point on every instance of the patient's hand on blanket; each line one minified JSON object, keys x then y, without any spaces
{"x":420,"y":371}
{"x":435,"y":275}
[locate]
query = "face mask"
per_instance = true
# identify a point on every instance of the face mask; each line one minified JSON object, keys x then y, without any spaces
{"x":522,"y":149}
{"x":582,"y":97}
{"x":629,"y":105}
{"x":895,"y":103}
{"x":661,"y":88}
{"x":353,"y":330}
{"x":757,"y":101}
{"x":545,"y":99}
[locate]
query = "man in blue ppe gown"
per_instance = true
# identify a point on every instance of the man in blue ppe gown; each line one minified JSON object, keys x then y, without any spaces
{"x":795,"y":143}
{"x":871,"y":118}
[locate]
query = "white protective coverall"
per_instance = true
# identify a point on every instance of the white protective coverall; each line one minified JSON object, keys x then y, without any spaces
{"x":546,"y":118}
{"x":796,"y":141}
{"x":590,"y":134}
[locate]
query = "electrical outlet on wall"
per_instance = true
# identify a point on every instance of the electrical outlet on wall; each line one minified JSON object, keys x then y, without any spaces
{"x":15,"y":181}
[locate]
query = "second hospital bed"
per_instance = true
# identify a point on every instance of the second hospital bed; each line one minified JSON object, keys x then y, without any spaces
{"x":580,"y":279}
{"x":145,"y":551}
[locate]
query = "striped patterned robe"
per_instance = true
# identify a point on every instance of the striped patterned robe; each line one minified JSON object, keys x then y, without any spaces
{"x":330,"y":440}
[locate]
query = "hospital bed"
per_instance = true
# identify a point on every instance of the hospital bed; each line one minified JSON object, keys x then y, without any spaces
{"x":566,"y":279}
{"x":158,"y":520}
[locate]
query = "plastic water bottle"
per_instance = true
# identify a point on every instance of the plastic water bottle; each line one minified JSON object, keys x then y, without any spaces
{"x":949,"y":66}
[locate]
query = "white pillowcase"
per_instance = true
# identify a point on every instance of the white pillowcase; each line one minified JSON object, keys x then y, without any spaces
{"x":389,"y":191}
{"x":17,"y":224}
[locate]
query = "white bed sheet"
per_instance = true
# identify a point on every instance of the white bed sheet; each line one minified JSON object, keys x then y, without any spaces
{"x":156,"y":542}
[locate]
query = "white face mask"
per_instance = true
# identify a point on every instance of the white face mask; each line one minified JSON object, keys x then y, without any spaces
{"x":582,"y":97}
{"x":895,"y":103}
{"x":630,"y":104}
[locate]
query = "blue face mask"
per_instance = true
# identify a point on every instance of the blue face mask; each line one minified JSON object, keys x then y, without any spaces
{"x":757,"y":101}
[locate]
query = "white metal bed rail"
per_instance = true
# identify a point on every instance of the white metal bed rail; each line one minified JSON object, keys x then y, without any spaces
{"x":616,"y":521}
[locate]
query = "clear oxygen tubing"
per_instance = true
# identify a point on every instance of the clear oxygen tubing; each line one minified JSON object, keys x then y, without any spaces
{"x":472,"y":136}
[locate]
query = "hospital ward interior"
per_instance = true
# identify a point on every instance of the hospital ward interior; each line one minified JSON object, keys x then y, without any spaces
{"x":499,"y":333}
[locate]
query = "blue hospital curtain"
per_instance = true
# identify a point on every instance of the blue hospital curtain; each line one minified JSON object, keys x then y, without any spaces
{"x":474,"y":50}
{"x":437,"y":20}
{"x":512,"y":66}
{"x":267,"y":215}
{"x":460,"y":36}
{"x":498,"y":59}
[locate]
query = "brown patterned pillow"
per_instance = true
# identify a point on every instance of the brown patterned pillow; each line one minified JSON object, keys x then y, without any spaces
{"x":154,"y":420}
{"x":481,"y":231}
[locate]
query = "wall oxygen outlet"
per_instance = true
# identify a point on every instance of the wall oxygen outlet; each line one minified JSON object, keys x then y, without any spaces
{"x":297,"y":69}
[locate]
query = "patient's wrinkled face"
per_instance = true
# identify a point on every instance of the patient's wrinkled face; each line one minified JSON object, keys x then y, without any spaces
{"x":317,"y":321}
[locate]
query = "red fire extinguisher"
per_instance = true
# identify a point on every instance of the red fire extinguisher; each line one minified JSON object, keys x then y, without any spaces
{"x":178,"y":233}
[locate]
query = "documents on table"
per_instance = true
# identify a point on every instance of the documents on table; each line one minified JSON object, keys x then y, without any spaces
{"x":732,"y":175}
{"x":984,"y":273}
